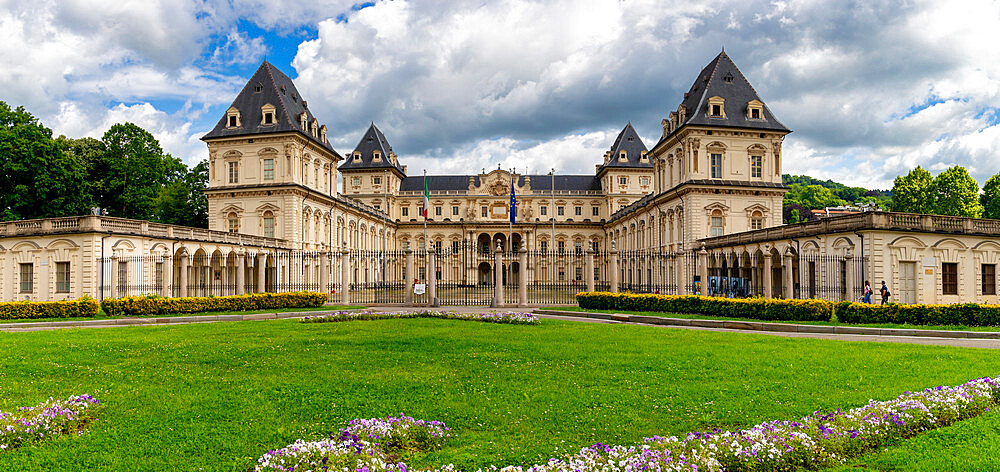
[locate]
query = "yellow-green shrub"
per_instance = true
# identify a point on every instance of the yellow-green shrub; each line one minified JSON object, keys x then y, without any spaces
{"x":82,"y":308}
{"x":963,"y":314}
{"x":152,"y":306}
{"x":750,"y":308}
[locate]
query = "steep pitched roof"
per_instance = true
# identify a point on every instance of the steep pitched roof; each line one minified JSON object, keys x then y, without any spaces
{"x":268,"y":86}
{"x":541,"y":182}
{"x":722,"y":78}
{"x":628,"y":140}
{"x":373,"y":140}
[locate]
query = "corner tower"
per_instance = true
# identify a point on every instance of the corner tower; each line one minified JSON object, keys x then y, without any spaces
{"x":372,"y":173}
{"x":627,"y":172}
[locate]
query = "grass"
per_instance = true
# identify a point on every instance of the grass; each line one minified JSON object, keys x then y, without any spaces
{"x":102,"y":316}
{"x":216,"y":396}
{"x":820,"y":323}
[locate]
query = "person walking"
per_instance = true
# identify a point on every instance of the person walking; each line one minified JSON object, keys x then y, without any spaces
{"x":884,"y":291}
{"x":867,"y":293}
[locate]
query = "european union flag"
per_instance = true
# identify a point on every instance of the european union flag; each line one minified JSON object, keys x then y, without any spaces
{"x":513,"y":201}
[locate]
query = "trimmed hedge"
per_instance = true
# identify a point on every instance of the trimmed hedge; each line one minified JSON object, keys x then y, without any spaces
{"x":962,"y":314}
{"x":749,"y":308}
{"x":83,"y":308}
{"x":152,"y":306}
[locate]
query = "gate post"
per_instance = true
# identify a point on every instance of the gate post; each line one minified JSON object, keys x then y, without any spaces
{"x":168,"y":276}
{"x":680,"y":272}
{"x":431,"y":278}
{"x":613,"y":267}
{"x":184,"y":274}
{"x":849,"y":278}
{"x":324,"y":273}
{"x":241,"y":274}
{"x":345,"y":277}
{"x":498,"y":276}
{"x":768,"y":278}
{"x":261,"y":267}
{"x":408,"y":277}
{"x":703,"y":271}
{"x":114,"y":276}
{"x":788,"y":276}
{"x":522,"y":277}
{"x":589,"y":275}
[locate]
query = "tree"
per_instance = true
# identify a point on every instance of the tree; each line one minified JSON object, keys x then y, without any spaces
{"x":956,"y":193}
{"x":914,"y":192}
{"x":88,"y":152}
{"x":990,"y":199}
{"x":813,"y":197}
{"x":132,"y":172}
{"x":39,"y":179}
{"x":183,"y":201}
{"x":795,"y":213}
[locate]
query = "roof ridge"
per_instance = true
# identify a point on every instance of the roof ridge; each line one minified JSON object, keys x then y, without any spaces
{"x":281,"y":100}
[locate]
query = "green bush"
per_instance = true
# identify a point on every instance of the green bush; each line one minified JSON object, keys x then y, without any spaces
{"x":749,"y":308}
{"x":155,"y":305}
{"x":84,"y":307}
{"x":962,"y":314}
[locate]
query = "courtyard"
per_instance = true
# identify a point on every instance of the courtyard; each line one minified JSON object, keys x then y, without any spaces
{"x":217,"y":396}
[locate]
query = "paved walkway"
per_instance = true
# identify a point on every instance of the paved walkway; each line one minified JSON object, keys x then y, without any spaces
{"x":578,"y":317}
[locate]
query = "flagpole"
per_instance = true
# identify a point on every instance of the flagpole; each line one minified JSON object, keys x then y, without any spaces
{"x":427,"y":209}
{"x":510,"y":221}
{"x":552,"y":202}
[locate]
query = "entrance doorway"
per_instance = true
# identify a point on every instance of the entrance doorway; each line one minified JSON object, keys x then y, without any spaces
{"x":907,"y":282}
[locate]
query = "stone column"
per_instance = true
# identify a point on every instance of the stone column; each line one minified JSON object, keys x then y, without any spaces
{"x":768,"y":280}
{"x":680,"y":273}
{"x":224,"y":277}
{"x":324,"y":273}
{"x":168,"y":275}
{"x":431,"y":277}
{"x":522,"y":277}
{"x":184,"y":275}
{"x":703,"y":271}
{"x":613,"y":267}
{"x":498,"y":276}
{"x":261,"y":267}
{"x":408,"y":276}
{"x":788,"y":276}
{"x":589,"y":263}
{"x":241,"y":274}
{"x":345,"y":274}
{"x":849,"y":281}
{"x":114,"y":276}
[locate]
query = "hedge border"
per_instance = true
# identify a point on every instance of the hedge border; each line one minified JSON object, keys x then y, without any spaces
{"x":156,"y":306}
{"x":749,"y":308}
{"x":84,"y":307}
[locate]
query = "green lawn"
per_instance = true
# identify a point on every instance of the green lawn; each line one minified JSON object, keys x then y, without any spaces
{"x":820,"y":323}
{"x":216,"y":396}
{"x":102,"y":316}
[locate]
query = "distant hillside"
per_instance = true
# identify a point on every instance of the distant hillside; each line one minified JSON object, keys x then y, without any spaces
{"x":808,"y":193}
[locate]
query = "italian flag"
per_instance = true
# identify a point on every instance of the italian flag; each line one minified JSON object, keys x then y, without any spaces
{"x":427,"y":200}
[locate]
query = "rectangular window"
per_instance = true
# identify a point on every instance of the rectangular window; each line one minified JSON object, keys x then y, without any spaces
{"x":579,"y":211}
{"x":406,"y":211}
{"x":454,"y":246}
{"x":485,"y":212}
{"x":268,"y":169}
{"x":454,"y":211}
{"x":622,"y":180}
{"x":755,"y":114}
{"x":756,"y":223}
{"x":234,"y":172}
{"x":989,"y":279}
{"x":377,"y":180}
{"x":437,"y":246}
{"x":62,"y":277}
{"x":562,"y":247}
{"x":232,"y":121}
{"x":756,"y":164}
{"x":716,"y":226}
{"x":356,"y":181}
{"x":644,"y":181}
{"x":268,"y":118}
{"x":437,"y":211}
{"x":544,"y":245}
{"x":268,"y":227}
{"x":596,"y":246}
{"x":716,"y":166}
{"x":27,"y":278}
{"x":596,"y":211}
{"x":561,"y":211}
{"x":716,"y":110}
{"x":543,"y":210}
{"x":578,"y":247}
{"x":949,"y":278}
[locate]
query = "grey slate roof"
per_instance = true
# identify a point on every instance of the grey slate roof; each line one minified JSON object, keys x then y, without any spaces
{"x":628,"y":140}
{"x":415,"y":183}
{"x":722,"y":78}
{"x":277,"y":89}
{"x":373,"y":140}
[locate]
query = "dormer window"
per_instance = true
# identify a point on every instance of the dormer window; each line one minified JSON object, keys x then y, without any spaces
{"x":377,"y":156}
{"x":233,"y":118}
{"x":258,"y":88}
{"x":303,"y":120}
{"x":314,"y":129}
{"x":643,"y":157}
{"x":357,"y":156}
{"x":755,"y":110}
{"x":322,"y":133}
{"x":267,"y":115}
{"x":716,"y":108}
{"x":622,"y":156}
{"x":728,"y":78}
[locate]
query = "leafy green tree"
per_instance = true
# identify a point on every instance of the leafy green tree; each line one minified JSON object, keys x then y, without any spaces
{"x":957,"y":193}
{"x":183,"y":201}
{"x":132,"y":172}
{"x":990,"y":199}
{"x":914,"y":192}
{"x":813,"y":197}
{"x":88,"y":152}
{"x":39,"y":179}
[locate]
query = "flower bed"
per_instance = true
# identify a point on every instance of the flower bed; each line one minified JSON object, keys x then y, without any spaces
{"x":85,"y":307}
{"x":962,"y":314}
{"x":748,"y":308}
{"x":817,"y":440}
{"x":155,"y":305}
{"x":507,"y":317}
{"x":47,"y":419}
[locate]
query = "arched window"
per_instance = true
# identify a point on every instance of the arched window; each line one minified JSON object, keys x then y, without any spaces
{"x":717,"y":223}
{"x":756,"y":220}
{"x":233,"y":222}
{"x":268,"y":224}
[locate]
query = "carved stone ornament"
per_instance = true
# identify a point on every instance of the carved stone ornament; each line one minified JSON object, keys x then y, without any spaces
{"x":498,"y":188}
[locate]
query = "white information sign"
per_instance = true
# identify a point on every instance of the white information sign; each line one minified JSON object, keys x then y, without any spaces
{"x":419,"y":289}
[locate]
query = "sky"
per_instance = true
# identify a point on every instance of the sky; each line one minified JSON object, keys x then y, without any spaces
{"x":870,"y":89}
